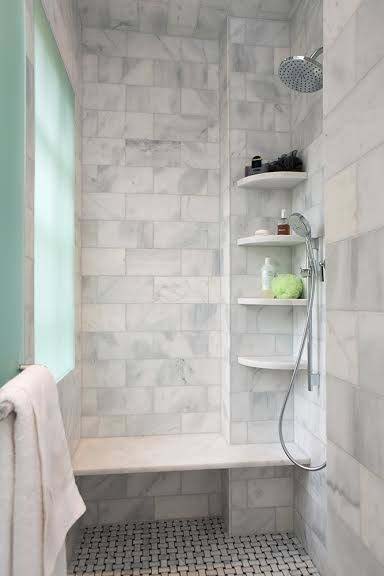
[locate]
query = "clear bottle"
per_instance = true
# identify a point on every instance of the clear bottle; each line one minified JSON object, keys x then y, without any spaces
{"x":268,"y":272}
{"x":283,"y":228}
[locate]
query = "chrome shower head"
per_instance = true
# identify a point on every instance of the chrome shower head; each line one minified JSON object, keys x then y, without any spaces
{"x":302,"y":73}
{"x":300,"y":225}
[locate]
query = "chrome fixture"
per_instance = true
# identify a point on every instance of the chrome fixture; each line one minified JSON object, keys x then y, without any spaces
{"x":301,"y":226}
{"x":302,"y":73}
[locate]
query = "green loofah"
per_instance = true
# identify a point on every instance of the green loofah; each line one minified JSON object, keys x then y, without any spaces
{"x":287,"y":286}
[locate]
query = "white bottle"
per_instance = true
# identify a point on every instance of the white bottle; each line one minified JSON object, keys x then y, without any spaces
{"x":268,"y":272}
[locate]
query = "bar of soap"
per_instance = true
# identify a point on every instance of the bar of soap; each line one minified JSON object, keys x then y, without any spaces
{"x":262,"y":232}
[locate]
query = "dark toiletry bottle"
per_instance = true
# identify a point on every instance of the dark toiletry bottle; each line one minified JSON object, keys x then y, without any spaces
{"x":283,"y":228}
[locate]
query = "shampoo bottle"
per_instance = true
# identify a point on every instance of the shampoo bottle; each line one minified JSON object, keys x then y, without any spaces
{"x":268,"y":272}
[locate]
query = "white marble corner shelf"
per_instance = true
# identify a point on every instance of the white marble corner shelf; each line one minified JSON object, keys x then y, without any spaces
{"x":270,"y":362}
{"x":272,"y":180}
{"x":272,"y":301}
{"x":123,"y":455}
{"x":271,"y":240}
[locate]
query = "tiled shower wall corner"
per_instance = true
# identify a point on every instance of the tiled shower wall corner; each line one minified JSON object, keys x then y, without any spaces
{"x":150,"y":234}
{"x":259,"y":123}
{"x":307,"y":198}
{"x":65,"y":26}
{"x":354,"y":222}
{"x":152,"y":496}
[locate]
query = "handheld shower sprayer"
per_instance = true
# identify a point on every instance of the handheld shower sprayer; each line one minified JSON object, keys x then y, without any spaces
{"x":301,"y":226}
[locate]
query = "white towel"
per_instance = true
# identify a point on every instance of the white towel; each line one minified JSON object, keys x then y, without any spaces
{"x":46,"y":501}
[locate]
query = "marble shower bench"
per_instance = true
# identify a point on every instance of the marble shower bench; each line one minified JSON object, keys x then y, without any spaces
{"x":181,"y":476}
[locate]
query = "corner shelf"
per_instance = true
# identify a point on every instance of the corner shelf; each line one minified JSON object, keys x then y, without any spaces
{"x":270,"y":362}
{"x":271,"y":240}
{"x":272,"y":301}
{"x":272,"y":180}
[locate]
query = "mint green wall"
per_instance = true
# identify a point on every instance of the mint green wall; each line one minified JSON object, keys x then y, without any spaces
{"x":12,"y":128}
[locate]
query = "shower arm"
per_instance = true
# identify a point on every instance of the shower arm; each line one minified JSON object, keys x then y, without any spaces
{"x":317,"y":53}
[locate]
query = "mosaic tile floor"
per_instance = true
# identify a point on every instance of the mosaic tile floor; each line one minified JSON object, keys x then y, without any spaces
{"x":186,"y":548}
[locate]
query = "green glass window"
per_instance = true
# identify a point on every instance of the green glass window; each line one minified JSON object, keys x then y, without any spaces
{"x":54,"y":204}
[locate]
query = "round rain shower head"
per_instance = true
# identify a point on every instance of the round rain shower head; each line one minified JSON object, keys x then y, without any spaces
{"x":302,"y":73}
{"x":300,"y":225}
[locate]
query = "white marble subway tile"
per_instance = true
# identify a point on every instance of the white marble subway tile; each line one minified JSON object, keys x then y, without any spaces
{"x":152,"y":207}
{"x":173,"y":372}
{"x":99,"y":426}
{"x":267,"y":33}
{"x":167,"y":74}
{"x":98,"y":14}
{"x":192,"y":505}
{"x":199,"y":102}
{"x":121,"y":511}
{"x":177,"y":400}
{"x":200,"y":317}
{"x":200,"y":155}
{"x":137,"y":72}
{"x":372,"y":517}
{"x":342,"y":345}
{"x":124,"y":345}
{"x":236,"y":30}
{"x":181,"y":181}
{"x":103,"y":206}
{"x":195,"y":50}
{"x":201,"y":481}
{"x":210,"y":22}
{"x":253,"y":521}
{"x":152,"y":262}
{"x":268,"y":145}
{"x":250,"y":58}
{"x":89,"y":67}
{"x":103,"y":317}
{"x":103,"y":151}
{"x":186,"y":235}
{"x":153,"y":317}
{"x":200,"y":208}
{"x":103,"y":261}
{"x":125,"y":289}
{"x":181,"y":289}
{"x":124,"y":401}
{"x":181,"y":127}
{"x":153,"y":99}
{"x":341,"y":414}
{"x":213,"y":78}
{"x":182,"y":17}
{"x":103,"y":374}
{"x":153,"y":424}
{"x":110,"y":69}
{"x":105,"y":42}
{"x":154,"y":153}
{"x":182,"y":344}
{"x":253,"y":116}
{"x":156,"y":484}
{"x":369,"y":40}
{"x":123,"y":180}
{"x":197,"y":75}
{"x":266,"y":431}
{"x":343,"y":486}
{"x":112,"y":234}
{"x":103,"y":96}
{"x":90,"y":123}
{"x":111,"y":124}
{"x":153,"y":46}
{"x":369,"y":194}
{"x":237,"y":86}
{"x":199,"y":263}
{"x":370,"y":358}
{"x":284,"y":519}
{"x":264,"y":493}
{"x":153,"y":16}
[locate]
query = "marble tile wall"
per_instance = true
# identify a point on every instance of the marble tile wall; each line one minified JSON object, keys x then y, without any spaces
{"x":65,"y":25}
{"x":157,"y":496}
{"x":260,"y":500}
{"x":151,"y":318}
{"x":307,"y":198}
{"x":354,"y":223}
{"x":259,"y":123}
{"x":203,"y":19}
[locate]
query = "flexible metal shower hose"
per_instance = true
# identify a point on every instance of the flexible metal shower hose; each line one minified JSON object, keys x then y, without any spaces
{"x":314,"y":280}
